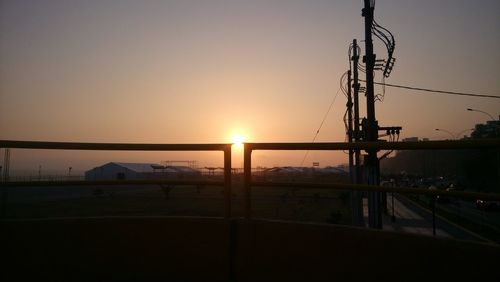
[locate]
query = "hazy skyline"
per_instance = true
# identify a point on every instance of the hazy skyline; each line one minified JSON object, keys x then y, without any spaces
{"x":201,"y":71}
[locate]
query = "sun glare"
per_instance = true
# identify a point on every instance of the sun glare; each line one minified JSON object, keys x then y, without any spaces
{"x":238,"y":140}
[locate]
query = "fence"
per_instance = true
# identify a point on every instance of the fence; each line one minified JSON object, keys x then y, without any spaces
{"x":248,"y":149}
{"x":225,"y":148}
{"x":424,"y":145}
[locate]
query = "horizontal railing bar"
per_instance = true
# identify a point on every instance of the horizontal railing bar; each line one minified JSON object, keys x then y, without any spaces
{"x":111,"y":182}
{"x":381,"y":145}
{"x":365,"y":187}
{"x":420,"y":145}
{"x":110,"y":146}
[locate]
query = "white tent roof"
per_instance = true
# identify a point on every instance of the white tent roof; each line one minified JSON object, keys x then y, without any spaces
{"x":144,"y":167}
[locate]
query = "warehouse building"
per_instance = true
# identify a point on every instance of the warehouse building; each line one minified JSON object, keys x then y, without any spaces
{"x":135,"y":171}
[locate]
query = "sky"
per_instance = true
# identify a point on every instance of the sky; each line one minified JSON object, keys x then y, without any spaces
{"x":201,"y":71}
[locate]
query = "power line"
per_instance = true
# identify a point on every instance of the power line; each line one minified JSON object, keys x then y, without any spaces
{"x":326,"y":115}
{"x":321,"y":124}
{"x":438,"y":91}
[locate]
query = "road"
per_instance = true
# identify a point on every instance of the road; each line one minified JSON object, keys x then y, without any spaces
{"x":413,"y":218}
{"x":468,"y":210}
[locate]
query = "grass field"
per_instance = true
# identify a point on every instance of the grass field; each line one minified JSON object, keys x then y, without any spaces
{"x":308,"y":205}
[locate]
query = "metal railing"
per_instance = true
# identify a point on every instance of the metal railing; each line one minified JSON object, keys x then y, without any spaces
{"x":248,"y":149}
{"x":420,"y":145}
{"x":238,"y":237}
{"x":225,"y":148}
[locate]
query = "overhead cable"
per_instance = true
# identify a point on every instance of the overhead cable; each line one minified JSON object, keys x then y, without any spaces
{"x":437,"y":91}
{"x":321,"y":124}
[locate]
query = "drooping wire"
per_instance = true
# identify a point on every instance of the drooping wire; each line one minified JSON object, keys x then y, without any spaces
{"x":393,"y":137}
{"x":343,"y":84}
{"x":346,"y":127}
{"x":361,"y":68}
{"x":380,"y":97}
{"x":383,"y":87}
{"x":321,"y":124}
{"x":387,"y":38}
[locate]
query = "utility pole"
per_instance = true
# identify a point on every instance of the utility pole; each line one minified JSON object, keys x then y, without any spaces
{"x":350,"y":129}
{"x":371,"y":130}
{"x":356,"y":203}
{"x":356,"y":196}
{"x":355,"y":86}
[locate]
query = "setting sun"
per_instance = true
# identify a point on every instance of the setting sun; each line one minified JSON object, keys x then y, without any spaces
{"x":238,"y":140}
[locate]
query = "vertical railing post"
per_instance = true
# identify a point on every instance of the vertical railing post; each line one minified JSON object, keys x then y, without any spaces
{"x":433,"y":203}
{"x":247,"y":170}
{"x":393,"y":218}
{"x":227,"y":181}
{"x":232,"y":223}
{"x":4,"y":178}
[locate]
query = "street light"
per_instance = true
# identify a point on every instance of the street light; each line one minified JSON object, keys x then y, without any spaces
{"x":463,"y":131}
{"x":479,"y":111}
{"x":444,"y":130}
{"x":454,"y":136}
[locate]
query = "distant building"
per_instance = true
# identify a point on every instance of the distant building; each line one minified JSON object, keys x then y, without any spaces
{"x":340,"y":169}
{"x":489,"y":130}
{"x":410,"y":139}
{"x":135,"y":171}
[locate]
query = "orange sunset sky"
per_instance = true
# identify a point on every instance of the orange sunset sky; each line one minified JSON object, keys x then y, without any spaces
{"x":202,"y":71}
